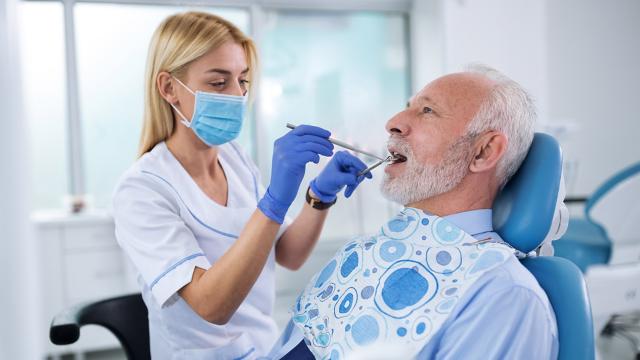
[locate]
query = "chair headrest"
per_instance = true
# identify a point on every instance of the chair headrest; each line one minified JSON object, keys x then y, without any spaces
{"x":524,"y":210}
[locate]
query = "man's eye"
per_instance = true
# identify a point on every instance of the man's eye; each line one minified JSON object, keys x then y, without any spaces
{"x":427,"y":110}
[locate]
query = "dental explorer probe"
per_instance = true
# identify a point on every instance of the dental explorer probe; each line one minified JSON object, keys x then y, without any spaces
{"x":389,"y":158}
{"x":347,"y":146}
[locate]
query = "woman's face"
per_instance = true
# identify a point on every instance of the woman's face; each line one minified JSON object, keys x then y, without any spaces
{"x":223,"y":70}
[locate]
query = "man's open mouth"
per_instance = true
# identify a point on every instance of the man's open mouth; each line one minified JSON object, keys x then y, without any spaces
{"x":397,"y":158}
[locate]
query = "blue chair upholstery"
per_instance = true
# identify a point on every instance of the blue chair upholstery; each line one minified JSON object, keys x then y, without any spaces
{"x":523,"y":213}
{"x":586,"y":242}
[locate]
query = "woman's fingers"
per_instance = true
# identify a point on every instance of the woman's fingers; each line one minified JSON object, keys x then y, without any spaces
{"x":311,"y":130}
{"x":349,"y":162}
{"x":313,"y":147}
{"x":307,"y":156}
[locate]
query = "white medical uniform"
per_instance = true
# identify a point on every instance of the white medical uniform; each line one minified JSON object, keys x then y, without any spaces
{"x":168,"y":226}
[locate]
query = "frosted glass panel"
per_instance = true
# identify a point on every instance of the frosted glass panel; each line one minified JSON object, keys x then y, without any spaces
{"x":112,"y":42}
{"x":345,"y":72}
{"x":44,"y":92}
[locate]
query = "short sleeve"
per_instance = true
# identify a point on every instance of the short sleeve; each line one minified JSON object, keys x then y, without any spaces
{"x":153,"y":235}
{"x":512,"y":323}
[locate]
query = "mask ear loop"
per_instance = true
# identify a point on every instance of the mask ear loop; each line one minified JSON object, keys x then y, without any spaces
{"x":184,"y":120}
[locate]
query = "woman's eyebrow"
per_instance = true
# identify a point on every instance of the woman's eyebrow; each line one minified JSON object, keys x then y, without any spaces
{"x":225,"y":72}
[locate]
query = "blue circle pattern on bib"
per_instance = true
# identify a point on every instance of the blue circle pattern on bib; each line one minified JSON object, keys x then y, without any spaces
{"x":351,"y":264}
{"x":444,"y":259}
{"x":393,"y":283}
{"x":326,"y":273}
{"x":445,"y":233}
{"x":406,"y":286}
{"x":346,"y":303}
{"x":402,"y":226}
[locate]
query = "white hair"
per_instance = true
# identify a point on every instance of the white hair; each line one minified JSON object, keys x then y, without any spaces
{"x":509,"y":109}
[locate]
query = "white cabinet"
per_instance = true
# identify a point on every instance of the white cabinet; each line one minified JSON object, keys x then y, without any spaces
{"x":77,"y":259}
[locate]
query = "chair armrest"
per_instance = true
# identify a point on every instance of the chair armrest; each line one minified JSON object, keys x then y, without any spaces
{"x":65,"y":327}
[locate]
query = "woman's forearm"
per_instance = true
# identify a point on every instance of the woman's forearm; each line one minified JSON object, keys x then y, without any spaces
{"x":215,"y":294}
{"x":297,"y":242}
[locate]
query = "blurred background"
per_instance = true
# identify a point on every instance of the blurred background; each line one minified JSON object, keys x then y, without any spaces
{"x":72,"y":101}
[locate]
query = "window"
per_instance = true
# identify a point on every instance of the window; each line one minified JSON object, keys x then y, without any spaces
{"x":346,"y":71}
{"x":44,"y":92}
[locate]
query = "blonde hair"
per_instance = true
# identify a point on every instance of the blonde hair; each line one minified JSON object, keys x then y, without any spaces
{"x":179,"y":40}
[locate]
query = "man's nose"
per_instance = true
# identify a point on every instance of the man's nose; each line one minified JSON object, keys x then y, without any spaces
{"x":398,"y":125}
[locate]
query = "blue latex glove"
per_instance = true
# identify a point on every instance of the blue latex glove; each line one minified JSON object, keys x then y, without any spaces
{"x":341,"y":171}
{"x":291,"y":153}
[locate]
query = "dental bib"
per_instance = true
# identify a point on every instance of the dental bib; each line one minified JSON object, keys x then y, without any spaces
{"x":397,"y":287}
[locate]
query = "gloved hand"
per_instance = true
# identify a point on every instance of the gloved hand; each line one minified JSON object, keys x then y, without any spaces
{"x":340,"y":171}
{"x":291,"y":153}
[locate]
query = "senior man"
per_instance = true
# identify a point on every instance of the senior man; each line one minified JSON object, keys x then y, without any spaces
{"x":436,"y":281}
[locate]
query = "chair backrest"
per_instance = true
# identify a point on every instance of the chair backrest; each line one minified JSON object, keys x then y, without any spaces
{"x":124,"y":316}
{"x":524,"y":209}
{"x":523,"y":214}
{"x":564,"y":285}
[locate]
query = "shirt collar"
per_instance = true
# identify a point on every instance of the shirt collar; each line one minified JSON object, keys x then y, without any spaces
{"x":473,"y":222}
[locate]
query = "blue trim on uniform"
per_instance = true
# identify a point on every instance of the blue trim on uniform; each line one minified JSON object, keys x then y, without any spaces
{"x":190,"y":212}
{"x":246,"y":354}
{"x":180,"y":262}
{"x":255,"y":182}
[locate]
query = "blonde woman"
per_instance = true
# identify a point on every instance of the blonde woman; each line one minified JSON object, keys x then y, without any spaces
{"x":191,"y":213}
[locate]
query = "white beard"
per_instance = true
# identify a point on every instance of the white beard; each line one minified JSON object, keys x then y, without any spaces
{"x":418,"y":181}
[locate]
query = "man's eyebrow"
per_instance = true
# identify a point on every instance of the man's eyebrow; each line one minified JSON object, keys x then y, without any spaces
{"x":225,"y":72}
{"x":428,"y":99}
{"x":410,"y":101}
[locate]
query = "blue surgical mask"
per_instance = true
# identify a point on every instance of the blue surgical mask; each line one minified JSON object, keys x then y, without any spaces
{"x":217,"y":118}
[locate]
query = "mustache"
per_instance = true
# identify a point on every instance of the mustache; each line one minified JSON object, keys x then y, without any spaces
{"x":400,"y":146}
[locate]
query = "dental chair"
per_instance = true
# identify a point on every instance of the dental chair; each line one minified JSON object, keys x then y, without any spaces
{"x":125,"y":316}
{"x":523,"y":213}
{"x":524,"y":216}
{"x":605,"y":244}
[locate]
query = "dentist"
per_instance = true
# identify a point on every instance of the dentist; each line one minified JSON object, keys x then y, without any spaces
{"x":191,"y":213}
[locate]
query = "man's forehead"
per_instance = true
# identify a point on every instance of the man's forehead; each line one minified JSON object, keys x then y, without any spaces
{"x":429,"y":95}
{"x":454,"y":89}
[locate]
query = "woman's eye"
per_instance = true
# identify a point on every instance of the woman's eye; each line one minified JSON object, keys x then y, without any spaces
{"x":244,"y":82}
{"x":427,"y":110}
{"x":217,"y":83}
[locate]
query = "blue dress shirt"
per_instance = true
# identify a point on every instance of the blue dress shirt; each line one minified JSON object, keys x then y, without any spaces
{"x":504,"y":315}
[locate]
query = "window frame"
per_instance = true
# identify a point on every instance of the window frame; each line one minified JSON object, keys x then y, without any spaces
{"x":255,"y":9}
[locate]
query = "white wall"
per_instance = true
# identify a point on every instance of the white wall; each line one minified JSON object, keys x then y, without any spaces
{"x":594,"y":80}
{"x":16,"y":310}
{"x":506,"y":34}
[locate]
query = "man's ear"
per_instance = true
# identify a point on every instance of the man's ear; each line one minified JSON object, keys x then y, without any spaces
{"x":488,"y":150}
{"x":165,"y":82}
